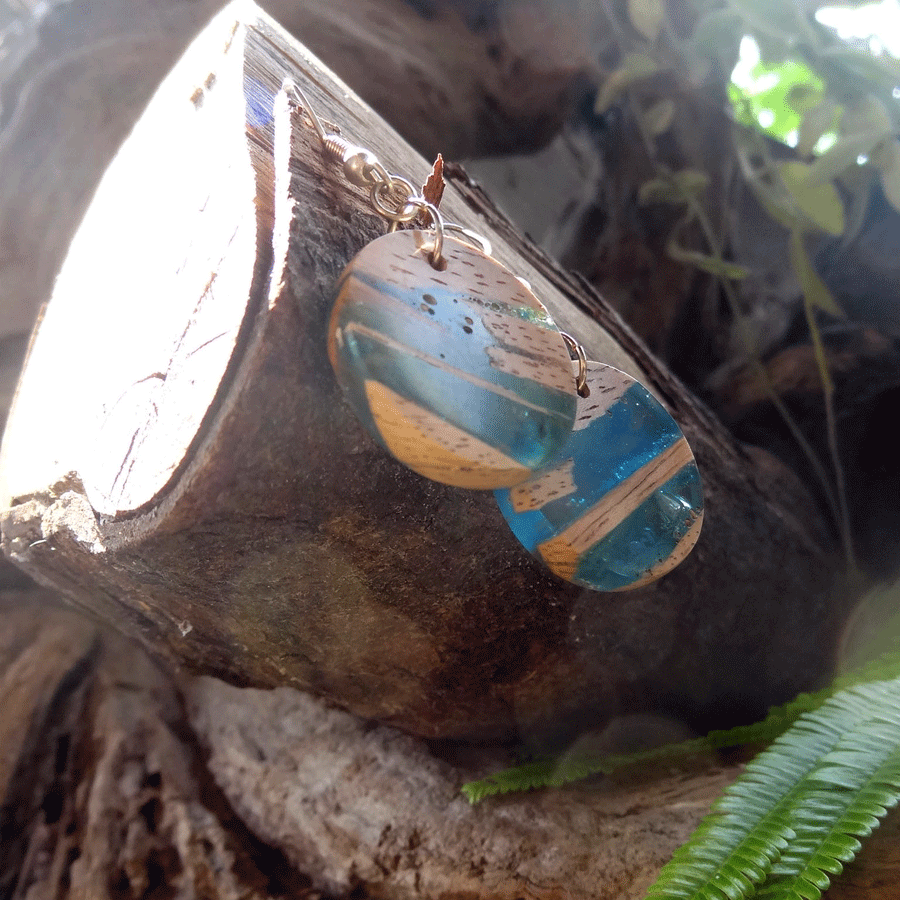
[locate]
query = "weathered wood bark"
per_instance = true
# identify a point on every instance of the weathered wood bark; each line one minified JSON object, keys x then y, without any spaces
{"x":112,"y":786}
{"x":227,"y":509}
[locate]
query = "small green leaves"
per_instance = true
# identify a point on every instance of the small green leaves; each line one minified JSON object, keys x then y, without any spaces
{"x":817,"y":121}
{"x":658,"y":117}
{"x":841,"y":156}
{"x":864,"y":125}
{"x":773,"y":100}
{"x":818,"y":203}
{"x":721,"y":268}
{"x":788,"y":825}
{"x":674,"y":187}
{"x":867,"y":115}
{"x":647,"y":16}
{"x":634,"y":67}
{"x":814,"y":289}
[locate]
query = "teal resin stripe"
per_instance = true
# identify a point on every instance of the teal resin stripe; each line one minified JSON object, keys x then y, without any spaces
{"x":622,"y":503}
{"x":459,"y":372}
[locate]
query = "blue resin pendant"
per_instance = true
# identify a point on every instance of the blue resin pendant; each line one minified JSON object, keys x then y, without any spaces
{"x":622,"y":504}
{"x":460,"y":373}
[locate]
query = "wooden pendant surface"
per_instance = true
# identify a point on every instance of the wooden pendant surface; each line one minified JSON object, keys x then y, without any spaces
{"x":460,"y":373}
{"x":622,"y":504}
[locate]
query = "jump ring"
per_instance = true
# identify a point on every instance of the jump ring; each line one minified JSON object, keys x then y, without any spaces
{"x":577,"y":350}
{"x":404,"y":211}
{"x":473,"y":237}
{"x":436,"y":254}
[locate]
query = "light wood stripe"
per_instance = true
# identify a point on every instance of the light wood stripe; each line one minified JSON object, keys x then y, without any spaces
{"x":360,"y":293}
{"x":561,"y":553}
{"x":435,"y":448}
{"x":534,"y":349}
{"x":541,"y":371}
{"x":603,"y":396}
{"x":518,"y":399}
{"x":549,"y":485}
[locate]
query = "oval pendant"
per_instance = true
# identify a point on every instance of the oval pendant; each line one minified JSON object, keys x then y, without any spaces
{"x":460,"y":373}
{"x":623,"y":503}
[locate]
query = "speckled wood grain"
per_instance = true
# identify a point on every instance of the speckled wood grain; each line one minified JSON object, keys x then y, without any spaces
{"x":459,"y":372}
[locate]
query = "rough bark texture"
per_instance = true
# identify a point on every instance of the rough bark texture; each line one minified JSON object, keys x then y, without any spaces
{"x":103,"y":792}
{"x":248,"y":528}
{"x":114,"y":784}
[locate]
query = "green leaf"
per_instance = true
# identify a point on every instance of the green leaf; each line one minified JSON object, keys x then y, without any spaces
{"x":719,"y":267}
{"x":691,"y":182}
{"x":658,"y":117}
{"x":817,"y":120}
{"x":772,"y":195}
{"x":814,"y":289}
{"x":556,"y":772}
{"x":803,"y":96}
{"x":792,"y":819}
{"x":842,"y":155}
{"x":820,"y":204}
{"x":635,"y":67}
{"x":659,"y":190}
{"x":647,"y":16}
{"x":867,"y":115}
{"x":864,"y":125}
{"x":675,"y":187}
{"x":780,"y":91}
{"x":830,"y":818}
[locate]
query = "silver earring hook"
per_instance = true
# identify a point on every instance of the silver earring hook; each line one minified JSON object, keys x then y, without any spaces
{"x":391,"y":195}
{"x":291,"y":87}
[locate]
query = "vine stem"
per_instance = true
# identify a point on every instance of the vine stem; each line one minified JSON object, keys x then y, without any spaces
{"x":837,"y":504}
{"x":843,"y":519}
{"x":835,"y":495}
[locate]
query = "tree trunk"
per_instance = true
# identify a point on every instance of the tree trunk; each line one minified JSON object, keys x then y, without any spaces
{"x":197,"y":480}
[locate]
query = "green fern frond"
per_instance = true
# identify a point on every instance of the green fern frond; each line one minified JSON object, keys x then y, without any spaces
{"x":556,"y":772}
{"x":737,"y":846}
{"x":851,"y":791}
{"x":791,"y":821}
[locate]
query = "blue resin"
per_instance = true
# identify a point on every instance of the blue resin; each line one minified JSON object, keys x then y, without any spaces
{"x":626,"y":437}
{"x":423,"y":334}
{"x":646,"y":538}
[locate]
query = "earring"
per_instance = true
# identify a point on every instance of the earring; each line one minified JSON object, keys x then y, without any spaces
{"x":622,"y":504}
{"x":457,"y":369}
{"x":447,"y":358}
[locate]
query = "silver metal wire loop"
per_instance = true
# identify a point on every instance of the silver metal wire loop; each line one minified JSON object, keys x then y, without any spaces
{"x":436,"y":254}
{"x":577,"y":352}
{"x":392,"y":196}
{"x":471,"y":237}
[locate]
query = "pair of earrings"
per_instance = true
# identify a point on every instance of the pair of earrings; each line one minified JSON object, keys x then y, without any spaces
{"x":457,"y":369}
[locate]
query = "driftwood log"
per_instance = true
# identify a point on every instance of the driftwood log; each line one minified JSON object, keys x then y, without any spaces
{"x":115,"y":786}
{"x":113,"y":782}
{"x":195,"y":477}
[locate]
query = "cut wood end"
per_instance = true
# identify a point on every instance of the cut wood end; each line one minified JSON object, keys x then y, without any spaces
{"x":148,"y":309}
